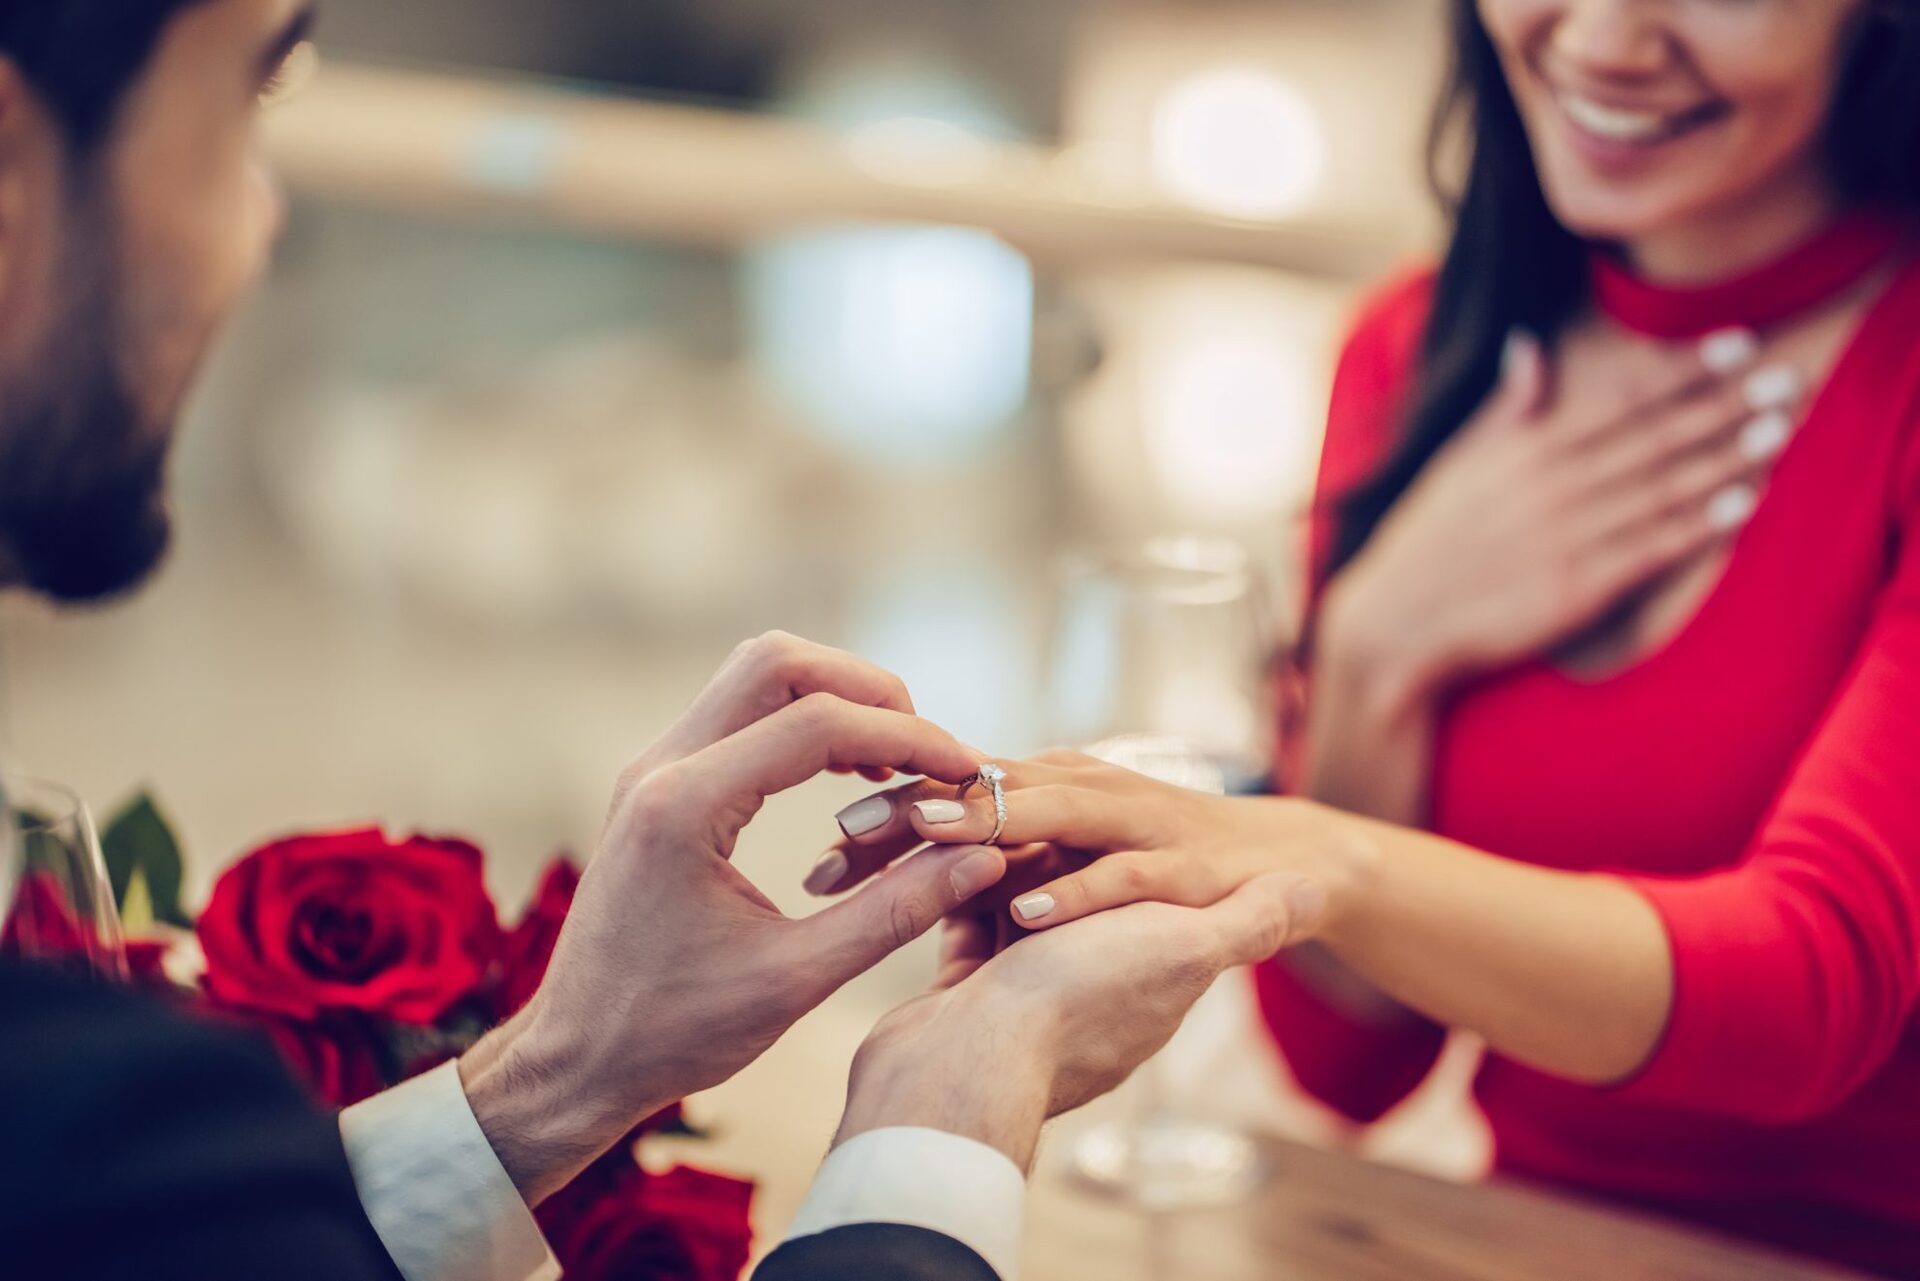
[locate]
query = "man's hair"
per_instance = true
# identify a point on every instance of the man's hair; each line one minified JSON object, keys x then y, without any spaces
{"x":81,"y":56}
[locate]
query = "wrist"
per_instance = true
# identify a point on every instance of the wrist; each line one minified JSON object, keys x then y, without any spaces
{"x":1333,"y":849}
{"x":1378,"y":664}
{"x":543,"y":1111}
{"x":951,"y":1065}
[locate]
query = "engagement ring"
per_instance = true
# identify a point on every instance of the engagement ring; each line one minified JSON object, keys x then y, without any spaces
{"x":991,"y":777}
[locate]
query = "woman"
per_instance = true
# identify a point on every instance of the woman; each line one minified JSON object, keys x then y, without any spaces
{"x":1620,"y":556}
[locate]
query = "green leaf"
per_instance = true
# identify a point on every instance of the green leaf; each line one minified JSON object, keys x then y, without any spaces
{"x":139,"y":839}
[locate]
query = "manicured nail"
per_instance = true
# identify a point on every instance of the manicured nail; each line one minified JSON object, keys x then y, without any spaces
{"x":1766,"y":435}
{"x":1033,"y":906}
{"x":827,"y":873}
{"x":1731,"y":507}
{"x":1513,"y":351}
{"x":976,"y":872}
{"x":1773,"y":387}
{"x":865,"y":816}
{"x":937,"y":812}
{"x":1729,"y":350}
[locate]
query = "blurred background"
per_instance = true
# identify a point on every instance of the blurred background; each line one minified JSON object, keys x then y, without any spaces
{"x":605,"y":334}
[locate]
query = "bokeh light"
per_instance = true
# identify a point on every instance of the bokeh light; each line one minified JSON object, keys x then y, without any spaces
{"x":1239,"y":142}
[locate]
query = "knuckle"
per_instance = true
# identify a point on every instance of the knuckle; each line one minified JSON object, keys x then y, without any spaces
{"x":653,"y":798}
{"x":1193,"y":962}
{"x":1270,"y":933}
{"x":908,"y":917}
{"x":818,"y":709}
{"x":772,"y":652}
{"x":1130,"y":879}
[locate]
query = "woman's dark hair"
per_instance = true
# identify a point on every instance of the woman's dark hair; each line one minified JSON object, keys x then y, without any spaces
{"x":81,"y":56}
{"x":1512,"y":265}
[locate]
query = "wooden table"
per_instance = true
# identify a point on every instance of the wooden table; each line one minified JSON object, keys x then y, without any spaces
{"x":1330,"y":1217}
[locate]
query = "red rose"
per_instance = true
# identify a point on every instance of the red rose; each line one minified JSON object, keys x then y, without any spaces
{"x":350,"y":921}
{"x":618,"y":1223}
{"x":529,"y":947}
{"x":40,"y":923}
{"x":147,"y":964}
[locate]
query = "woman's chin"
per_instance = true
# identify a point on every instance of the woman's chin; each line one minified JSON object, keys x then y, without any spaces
{"x":1614,"y":215}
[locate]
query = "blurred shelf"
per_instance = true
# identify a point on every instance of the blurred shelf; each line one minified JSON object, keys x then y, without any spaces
{"x":540,"y":155}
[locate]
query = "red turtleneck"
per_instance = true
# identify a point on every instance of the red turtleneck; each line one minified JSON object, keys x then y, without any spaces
{"x":1757,"y":777}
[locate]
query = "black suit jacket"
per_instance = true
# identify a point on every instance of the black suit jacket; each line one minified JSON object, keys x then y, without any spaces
{"x":875,"y":1252}
{"x":136,"y":1142}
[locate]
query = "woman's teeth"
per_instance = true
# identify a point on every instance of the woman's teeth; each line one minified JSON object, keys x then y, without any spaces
{"x":1617,"y":125}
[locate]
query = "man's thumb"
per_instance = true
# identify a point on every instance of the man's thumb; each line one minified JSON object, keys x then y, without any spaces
{"x":1268,"y":914}
{"x":900,"y":905}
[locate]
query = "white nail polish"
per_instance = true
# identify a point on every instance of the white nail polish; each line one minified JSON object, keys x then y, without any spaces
{"x":938,"y":812}
{"x":1512,"y":352}
{"x":865,"y":816}
{"x":1773,"y":387}
{"x":1033,"y":906}
{"x":1729,"y":350}
{"x":827,"y":873}
{"x":1766,"y":435}
{"x":976,"y":872}
{"x":1731,"y":507}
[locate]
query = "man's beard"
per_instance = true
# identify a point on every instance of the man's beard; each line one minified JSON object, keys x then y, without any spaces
{"x":83,"y":514}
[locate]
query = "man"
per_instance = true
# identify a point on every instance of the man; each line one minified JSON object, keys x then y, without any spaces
{"x":132,"y":218}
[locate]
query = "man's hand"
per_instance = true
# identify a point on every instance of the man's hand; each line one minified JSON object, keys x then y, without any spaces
{"x":1021,"y":1029}
{"x":673,"y":972}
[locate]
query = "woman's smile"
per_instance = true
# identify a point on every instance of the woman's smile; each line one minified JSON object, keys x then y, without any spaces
{"x":1605,"y":128}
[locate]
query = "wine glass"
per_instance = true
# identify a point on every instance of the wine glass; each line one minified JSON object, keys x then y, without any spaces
{"x":56,"y":902}
{"x":1159,"y":663}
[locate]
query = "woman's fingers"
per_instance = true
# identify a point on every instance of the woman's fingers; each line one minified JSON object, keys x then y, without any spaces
{"x":1132,"y":876}
{"x":1655,"y":381}
{"x":874,"y":833}
{"x":1063,"y":813}
{"x":877,"y":830}
{"x":1751,"y":421}
{"x":1522,"y":390}
{"x":1624,"y":563}
{"x":1714,"y":489}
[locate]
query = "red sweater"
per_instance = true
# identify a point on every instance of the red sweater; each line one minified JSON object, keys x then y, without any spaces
{"x":1757,"y":777}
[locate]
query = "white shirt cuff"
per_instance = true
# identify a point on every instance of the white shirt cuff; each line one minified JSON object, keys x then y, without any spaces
{"x":929,"y":1179}
{"x":434,"y":1190}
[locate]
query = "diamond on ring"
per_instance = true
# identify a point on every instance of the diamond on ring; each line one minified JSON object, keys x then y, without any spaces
{"x":993,"y":778}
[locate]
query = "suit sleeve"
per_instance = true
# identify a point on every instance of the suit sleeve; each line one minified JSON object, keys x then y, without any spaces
{"x":875,"y":1252}
{"x":910,"y":1202}
{"x":1360,"y":1070}
{"x":1797,"y":971}
{"x":142,"y":1143}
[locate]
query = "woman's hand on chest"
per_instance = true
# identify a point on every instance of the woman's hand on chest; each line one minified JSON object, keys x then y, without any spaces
{"x":1587,"y":476}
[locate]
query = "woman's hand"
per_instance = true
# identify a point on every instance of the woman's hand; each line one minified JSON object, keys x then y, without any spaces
{"x":1556,"y":503}
{"x":1569,"y":973}
{"x":1083,"y":836}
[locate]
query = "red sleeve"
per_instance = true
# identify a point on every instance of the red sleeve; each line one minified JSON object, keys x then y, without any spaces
{"x":1796,"y":971}
{"x":1360,"y":1071}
